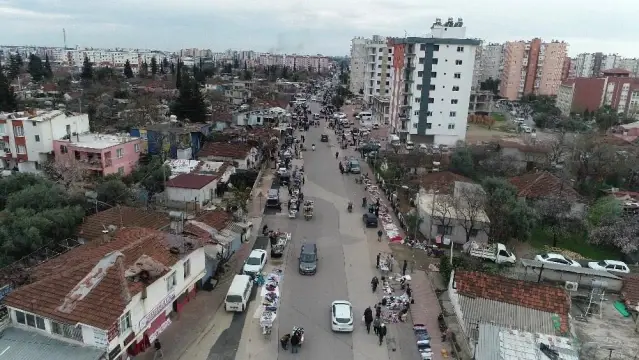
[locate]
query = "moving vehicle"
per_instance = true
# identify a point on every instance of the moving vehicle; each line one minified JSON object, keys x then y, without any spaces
{"x":324,"y":138}
{"x":370,"y":220}
{"x":308,"y":259}
{"x":353,"y":167}
{"x":239,"y":293}
{"x":557,"y":259}
{"x":273,"y":199}
{"x":497,"y":253}
{"x":342,"y":318}
{"x":255,"y":262}
{"x":610,"y":265}
{"x":365,"y":116}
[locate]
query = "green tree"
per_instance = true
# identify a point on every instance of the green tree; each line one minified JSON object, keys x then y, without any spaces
{"x":236,"y":64}
{"x":285,"y":73}
{"x":606,"y":117}
{"x":462,"y":162}
{"x":510,"y":217}
{"x":113,"y":192}
{"x":48,"y":72}
{"x":15,"y":67}
{"x":190,"y":102}
{"x":238,"y":201}
{"x":128,"y":71}
{"x":245,"y":66}
{"x":247,"y":75}
{"x":178,"y":75}
{"x":8,"y":101}
{"x":165,"y":63}
{"x":228,"y":69}
{"x":19,"y":60}
{"x":605,"y":210}
{"x":144,"y":70}
{"x":87,"y":69}
{"x":154,"y":66}
{"x":151,"y":176}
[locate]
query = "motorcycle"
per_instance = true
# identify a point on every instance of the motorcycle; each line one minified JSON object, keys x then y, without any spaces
{"x":313,"y":147}
{"x":350,"y":206}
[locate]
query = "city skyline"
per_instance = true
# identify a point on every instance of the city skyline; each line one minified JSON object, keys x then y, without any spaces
{"x":307,"y":28}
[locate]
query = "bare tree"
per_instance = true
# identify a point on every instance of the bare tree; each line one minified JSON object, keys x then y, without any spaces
{"x":554,"y":214}
{"x":621,"y":232}
{"x":71,"y":175}
{"x":144,"y":108}
{"x":558,"y":148}
{"x":468,"y":203}
{"x":442,"y":211}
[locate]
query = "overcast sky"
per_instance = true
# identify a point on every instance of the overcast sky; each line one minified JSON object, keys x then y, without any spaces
{"x":311,"y":27}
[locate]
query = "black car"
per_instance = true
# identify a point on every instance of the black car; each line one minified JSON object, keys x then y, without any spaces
{"x":324,"y":138}
{"x":370,"y":220}
{"x":308,"y":259}
{"x":273,"y":199}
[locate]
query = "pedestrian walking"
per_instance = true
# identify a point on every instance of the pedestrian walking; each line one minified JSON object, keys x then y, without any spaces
{"x":378,"y":310}
{"x":374,"y":283}
{"x":377,"y":262}
{"x":368,"y":319}
{"x":158,"y":349}
{"x":379,"y":235}
{"x":295,"y":343}
{"x":404,"y":268}
{"x":376,"y":323}
{"x":409,"y":292}
{"x":381,"y":333}
{"x":284,"y":341}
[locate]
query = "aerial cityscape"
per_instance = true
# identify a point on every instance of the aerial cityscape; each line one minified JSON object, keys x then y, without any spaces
{"x":440,"y":192}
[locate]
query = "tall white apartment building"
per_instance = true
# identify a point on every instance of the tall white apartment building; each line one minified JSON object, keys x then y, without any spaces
{"x":378,"y":71}
{"x":430,"y":91}
{"x":592,"y":64}
{"x":631,"y":65}
{"x":358,"y":65}
{"x":489,"y":63}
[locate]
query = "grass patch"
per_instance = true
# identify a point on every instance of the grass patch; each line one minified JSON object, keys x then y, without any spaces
{"x":576,"y":242}
{"x":498,"y":116}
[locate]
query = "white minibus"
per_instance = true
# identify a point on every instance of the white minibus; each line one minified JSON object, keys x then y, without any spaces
{"x":239,"y":293}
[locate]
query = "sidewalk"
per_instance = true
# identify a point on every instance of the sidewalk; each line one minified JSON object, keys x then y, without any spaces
{"x":191,"y":325}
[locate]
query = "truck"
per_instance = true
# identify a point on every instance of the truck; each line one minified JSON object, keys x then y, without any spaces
{"x":496,"y":252}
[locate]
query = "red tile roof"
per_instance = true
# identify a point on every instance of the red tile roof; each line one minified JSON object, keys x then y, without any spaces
{"x":104,"y":303}
{"x":217,"y":219}
{"x":526,"y":148}
{"x":630,"y":291}
{"x":443,"y":181}
{"x":236,"y":151}
{"x":530,"y":295}
{"x":543,"y":185}
{"x":121,"y":216}
{"x":190,"y":181}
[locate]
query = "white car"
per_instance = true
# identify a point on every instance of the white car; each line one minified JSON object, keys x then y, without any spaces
{"x":556,"y":259}
{"x":610,"y":265}
{"x":410,"y":145}
{"x":313,"y":98}
{"x":255,"y":262}
{"x":342,"y":318}
{"x":375,"y":126}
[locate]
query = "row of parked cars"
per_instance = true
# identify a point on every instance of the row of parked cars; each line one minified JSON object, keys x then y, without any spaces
{"x":614,"y":266}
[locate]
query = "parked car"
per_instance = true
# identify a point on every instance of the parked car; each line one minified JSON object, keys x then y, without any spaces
{"x":610,"y":265}
{"x":410,"y":145}
{"x":255,"y":262}
{"x":557,"y":259}
{"x":370,"y":220}
{"x":353,"y":167}
{"x":324,"y":138}
{"x":342,"y":318}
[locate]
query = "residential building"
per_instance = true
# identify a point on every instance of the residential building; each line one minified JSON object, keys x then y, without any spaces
{"x":524,"y":156}
{"x":27,"y":138}
{"x":378,"y":72}
{"x":432,"y":82}
{"x":99,"y":153}
{"x":542,"y":185}
{"x":174,"y":139}
{"x":241,"y":154}
{"x":567,"y":71}
{"x":593,"y":64}
{"x":381,"y":109}
{"x":489,"y":63}
{"x":307,"y":63}
{"x":358,"y":65}
{"x":93,"y":226}
{"x":113,"y":295}
{"x":631,"y":65}
{"x":615,"y":88}
{"x":481,"y":102}
{"x":532,"y":67}
{"x":263,"y":117}
{"x":195,"y":189}
{"x":480,"y":298}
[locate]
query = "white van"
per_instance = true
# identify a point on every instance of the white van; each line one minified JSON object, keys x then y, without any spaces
{"x":365,"y":116}
{"x":393,"y":140}
{"x":239,"y":293}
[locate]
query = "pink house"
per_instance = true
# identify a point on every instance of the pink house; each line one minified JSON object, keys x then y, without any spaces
{"x":102,"y":154}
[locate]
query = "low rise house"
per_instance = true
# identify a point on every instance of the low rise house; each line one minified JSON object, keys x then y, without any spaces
{"x":480,"y":298}
{"x":543,"y":185}
{"x":99,"y":153}
{"x":194,"y":189}
{"x":524,"y":156}
{"x":114,"y":295}
{"x":241,"y":154}
{"x":175,"y":139}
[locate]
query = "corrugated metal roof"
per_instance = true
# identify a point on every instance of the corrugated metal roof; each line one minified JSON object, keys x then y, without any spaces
{"x":488,"y":345}
{"x":479,"y":310}
{"x":569,"y":269}
{"x":18,"y":344}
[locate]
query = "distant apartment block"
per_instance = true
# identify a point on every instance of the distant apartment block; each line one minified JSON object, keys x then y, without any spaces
{"x":532,"y":67}
{"x":592,"y":64}
{"x":358,"y":65}
{"x":615,"y":88}
{"x":378,"y":72}
{"x":26,"y":138}
{"x":489,"y":63}
{"x":99,"y":153}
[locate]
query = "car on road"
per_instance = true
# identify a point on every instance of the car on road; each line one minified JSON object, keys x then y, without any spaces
{"x":375,"y":126}
{"x":324,"y":138}
{"x":370,"y":220}
{"x":557,"y":259}
{"x":410,"y":145}
{"x":353,"y":167}
{"x":342,"y":318}
{"x":610,"y":265}
{"x":313,"y":98}
{"x":255,"y":262}
{"x":308,"y":259}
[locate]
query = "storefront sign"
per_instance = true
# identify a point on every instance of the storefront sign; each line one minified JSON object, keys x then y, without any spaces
{"x":159,"y":330}
{"x":100,"y":339}
{"x":151,"y":315}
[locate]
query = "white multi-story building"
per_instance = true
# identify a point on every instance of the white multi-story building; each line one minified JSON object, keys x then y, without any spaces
{"x":378,"y":70}
{"x":592,"y":64}
{"x":358,"y":65}
{"x":431,"y":88}
{"x":489,"y":63}
{"x":631,"y":65}
{"x":27,"y":137}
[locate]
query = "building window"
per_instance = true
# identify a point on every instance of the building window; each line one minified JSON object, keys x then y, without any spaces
{"x":63,"y":149}
{"x":379,"y":58}
{"x":435,"y":61}
{"x":136,"y":147}
{"x":415,"y":125}
{"x":452,"y":114}
{"x":429,"y":126}
{"x":121,"y":170}
{"x":432,"y":87}
{"x":451,"y":126}
{"x":187,"y":268}
{"x":455,"y":88}
{"x":20,"y":317}
{"x":458,"y":62}
{"x":378,"y":82}
{"x":417,"y":100}
{"x":419,"y":87}
{"x":390,"y":50}
{"x":171,"y":282}
{"x":21,"y":149}
{"x":69,"y":332}
{"x":422,"y":47}
{"x":460,"y":49}
{"x":433,"y":74}
{"x":454,"y":101}
{"x":2,"y":129}
{"x":380,"y":50}
{"x":429,"y":113}
{"x":444,"y":230}
{"x":416,"y":113}
{"x":420,"y":73}
{"x":30,"y":320}
{"x":431,"y":100}
{"x":125,"y":323}
{"x":119,"y":153}
{"x":18,"y":130}
{"x":457,"y":75}
{"x":436,"y":47}
{"x":37,"y":138}
{"x":421,"y":60}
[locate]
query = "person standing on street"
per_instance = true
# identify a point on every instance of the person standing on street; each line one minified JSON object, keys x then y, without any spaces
{"x":368,"y":319}
{"x":381,"y":333}
{"x":404,"y":268}
{"x":374,"y":283}
{"x":378,"y":310}
{"x":295,"y":343}
{"x":379,"y":235}
{"x":377,"y":262}
{"x":284,"y":341}
{"x":376,"y":323}
{"x":158,"y":349}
